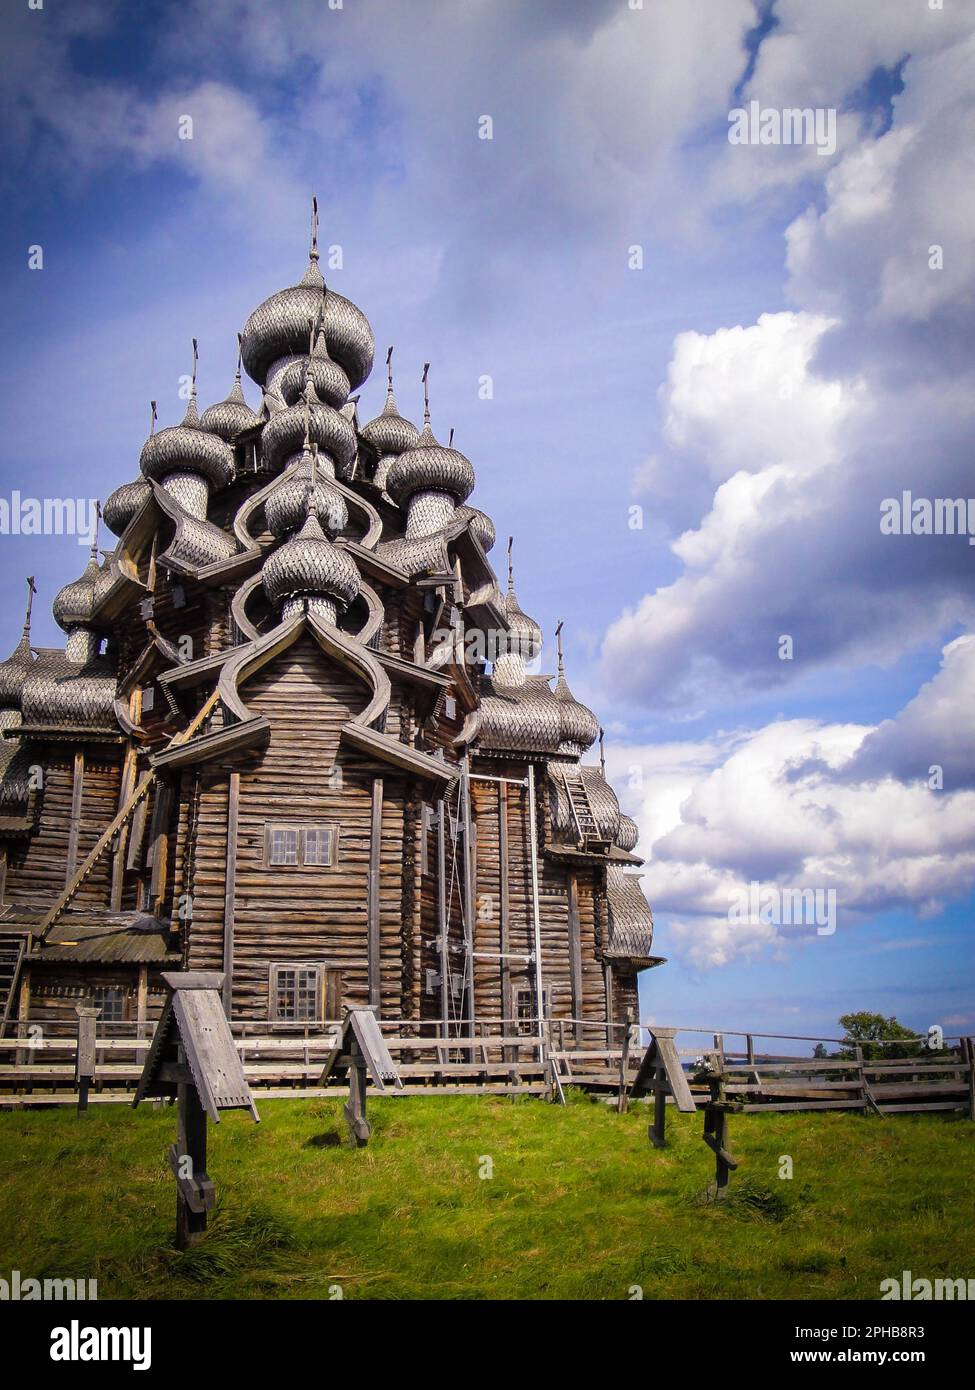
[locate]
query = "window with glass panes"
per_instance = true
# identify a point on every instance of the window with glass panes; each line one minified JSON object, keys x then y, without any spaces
{"x":298,"y":845}
{"x":318,"y":844}
{"x":111,"y":1000}
{"x":525,"y":1009}
{"x":296,"y":993}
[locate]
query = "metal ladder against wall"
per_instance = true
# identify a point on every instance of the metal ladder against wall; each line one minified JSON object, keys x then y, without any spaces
{"x":583,"y":815}
{"x":12,"y":951}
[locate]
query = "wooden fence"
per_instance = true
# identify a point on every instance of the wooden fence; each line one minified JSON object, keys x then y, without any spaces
{"x":512,"y":1057}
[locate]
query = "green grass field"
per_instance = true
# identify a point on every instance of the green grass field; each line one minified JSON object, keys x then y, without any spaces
{"x":579,"y":1206}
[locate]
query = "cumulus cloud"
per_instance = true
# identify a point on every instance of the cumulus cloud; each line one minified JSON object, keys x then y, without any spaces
{"x":803,"y":805}
{"x":782,"y":438}
{"x":935,"y":731}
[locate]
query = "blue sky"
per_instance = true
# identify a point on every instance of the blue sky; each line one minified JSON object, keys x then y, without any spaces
{"x":785,"y":358}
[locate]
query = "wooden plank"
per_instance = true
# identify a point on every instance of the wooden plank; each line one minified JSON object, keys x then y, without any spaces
{"x":575,"y":953}
{"x":126,"y":786}
{"x":210,"y":1051}
{"x":74,"y":823}
{"x":372,"y":908}
{"x":159,"y":846}
{"x":142,"y":997}
{"x":663,"y":1054}
{"x":507,"y":997}
{"x":230,"y":891}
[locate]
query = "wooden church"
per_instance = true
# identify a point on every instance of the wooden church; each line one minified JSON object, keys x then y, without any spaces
{"x":297,"y":734}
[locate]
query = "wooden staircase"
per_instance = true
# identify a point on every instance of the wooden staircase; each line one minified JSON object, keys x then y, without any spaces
{"x":12,"y":951}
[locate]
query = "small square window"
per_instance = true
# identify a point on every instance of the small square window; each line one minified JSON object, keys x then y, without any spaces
{"x":296,"y":993}
{"x":111,"y":1001}
{"x":282,"y":844}
{"x":319,"y":844}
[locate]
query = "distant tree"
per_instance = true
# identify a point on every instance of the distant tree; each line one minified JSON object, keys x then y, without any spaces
{"x":819,"y":1050}
{"x":864,"y":1029}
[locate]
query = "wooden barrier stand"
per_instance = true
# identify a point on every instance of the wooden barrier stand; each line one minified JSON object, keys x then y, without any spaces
{"x":661,"y":1072}
{"x":361,"y":1048}
{"x":194,"y":1058}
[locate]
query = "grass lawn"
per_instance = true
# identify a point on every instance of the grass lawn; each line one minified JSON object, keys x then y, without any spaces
{"x":579,"y":1206}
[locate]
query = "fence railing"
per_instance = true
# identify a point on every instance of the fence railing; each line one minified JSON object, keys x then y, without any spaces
{"x":515,"y":1055}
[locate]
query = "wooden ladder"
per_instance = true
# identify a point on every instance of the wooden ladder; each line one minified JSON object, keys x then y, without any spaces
{"x":12,"y":950}
{"x":106,"y":839}
{"x":580,"y":805}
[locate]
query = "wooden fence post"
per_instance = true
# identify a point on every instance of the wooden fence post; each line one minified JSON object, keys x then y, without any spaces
{"x":84,"y":1066}
{"x":623,"y":1099}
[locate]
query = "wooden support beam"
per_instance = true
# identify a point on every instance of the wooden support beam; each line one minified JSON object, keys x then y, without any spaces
{"x":190,"y":1164}
{"x":443,"y":925}
{"x":3,"y":873}
{"x":504,"y":907}
{"x":470,"y":899}
{"x":658,"y":1130}
{"x":536,"y":915}
{"x":74,"y":824}
{"x":127,"y":810}
{"x":126,"y":787}
{"x":23,"y":1008}
{"x":372,"y":909}
{"x":355,"y":1111}
{"x":84,"y":1069}
{"x":622,"y":1100}
{"x":142,"y":999}
{"x":159,"y":846}
{"x":575,"y":956}
{"x":230,"y":891}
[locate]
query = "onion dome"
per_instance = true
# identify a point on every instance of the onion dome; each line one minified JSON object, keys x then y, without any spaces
{"x":123,"y":504}
{"x":580,"y":727}
{"x":390,"y":433}
{"x":482,"y":527}
{"x":285,"y":432}
{"x":287,"y":506}
{"x":310,"y":566}
{"x":72,"y":692}
{"x":522,"y":642}
{"x":519,"y":718}
{"x":279,"y":327}
{"x":628,"y":833}
{"x":15,"y":670}
{"x":75,"y":603}
{"x":330,"y":383}
{"x":431,"y":478}
{"x":630,"y":917}
{"x":188,"y":448}
{"x":232,"y":415}
{"x":430,"y":467}
{"x":566,"y":782}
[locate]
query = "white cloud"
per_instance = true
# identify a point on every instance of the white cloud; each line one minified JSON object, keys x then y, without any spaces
{"x":781,"y":439}
{"x":801,"y":804}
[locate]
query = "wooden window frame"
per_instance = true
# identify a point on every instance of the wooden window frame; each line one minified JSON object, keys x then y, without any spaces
{"x":302,"y":828}
{"x":123,"y":994}
{"x":314,"y":966}
{"x":524,"y":1027}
